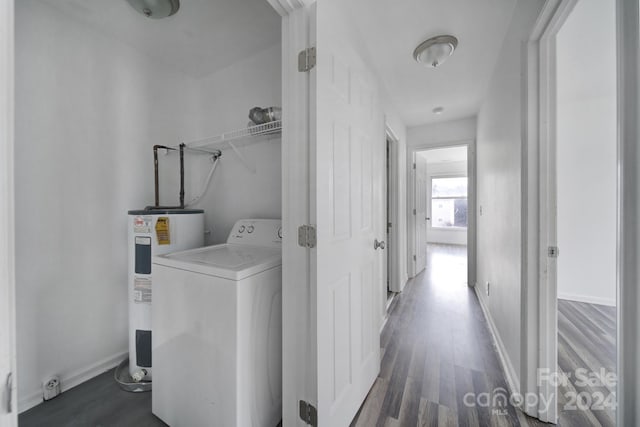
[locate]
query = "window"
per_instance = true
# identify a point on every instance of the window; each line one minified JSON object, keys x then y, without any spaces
{"x":449,"y":202}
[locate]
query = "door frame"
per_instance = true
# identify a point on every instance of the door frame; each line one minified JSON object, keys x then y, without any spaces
{"x":298,"y":350}
{"x":416,"y":169}
{"x":471,"y":200}
{"x":7,"y":216}
{"x":395,"y":284}
{"x":539,"y":345}
{"x":540,"y":348}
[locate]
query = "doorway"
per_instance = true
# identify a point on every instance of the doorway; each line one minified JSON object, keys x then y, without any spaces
{"x":585,"y":197}
{"x":442,"y":197}
{"x":576,"y":191}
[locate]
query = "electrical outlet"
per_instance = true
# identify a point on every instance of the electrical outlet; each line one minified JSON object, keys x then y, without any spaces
{"x":50,"y":387}
{"x":488,"y":288}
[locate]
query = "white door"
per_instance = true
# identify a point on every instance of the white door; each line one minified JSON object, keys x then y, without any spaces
{"x":7,"y":343}
{"x":347,"y":206}
{"x":421,"y":213}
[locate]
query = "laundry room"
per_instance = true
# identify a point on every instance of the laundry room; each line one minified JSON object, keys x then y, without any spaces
{"x":98,"y":85}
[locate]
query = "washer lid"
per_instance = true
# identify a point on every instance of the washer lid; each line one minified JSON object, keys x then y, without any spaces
{"x":230,"y":261}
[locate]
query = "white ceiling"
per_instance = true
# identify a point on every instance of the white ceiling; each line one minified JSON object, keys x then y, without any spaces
{"x":207,"y":35}
{"x":445,"y":155}
{"x":392,"y":30}
{"x":203,"y":37}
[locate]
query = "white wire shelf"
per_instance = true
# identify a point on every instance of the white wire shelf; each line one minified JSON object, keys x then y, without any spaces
{"x":213,"y":144}
{"x":216,"y":142}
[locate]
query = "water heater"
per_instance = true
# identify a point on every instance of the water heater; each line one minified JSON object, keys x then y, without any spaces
{"x":153,"y":232}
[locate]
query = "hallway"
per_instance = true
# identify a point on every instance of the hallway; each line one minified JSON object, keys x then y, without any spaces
{"x":436,"y":347}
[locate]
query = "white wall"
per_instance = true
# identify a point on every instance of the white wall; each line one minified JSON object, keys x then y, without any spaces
{"x":223,"y":102}
{"x":435,"y":134}
{"x":586,"y":149}
{"x":499,"y":148}
{"x":443,"y":235}
{"x":88,"y":111}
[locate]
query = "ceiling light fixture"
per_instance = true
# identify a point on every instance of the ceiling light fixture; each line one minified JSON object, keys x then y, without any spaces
{"x":434,"y":51}
{"x":438,"y":110}
{"x":155,"y":9}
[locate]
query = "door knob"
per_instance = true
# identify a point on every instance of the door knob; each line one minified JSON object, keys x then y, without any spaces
{"x":377,"y":244}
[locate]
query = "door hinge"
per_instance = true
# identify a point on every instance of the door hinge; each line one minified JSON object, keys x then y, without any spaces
{"x":553,"y":252}
{"x":308,"y":413}
{"x":9,"y":391}
{"x":414,"y":211}
{"x":307,"y":59}
{"x":414,"y":165}
{"x":414,"y":258}
{"x":307,"y":236}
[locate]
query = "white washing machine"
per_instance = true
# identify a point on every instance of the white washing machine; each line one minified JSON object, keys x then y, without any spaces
{"x":217,"y":325}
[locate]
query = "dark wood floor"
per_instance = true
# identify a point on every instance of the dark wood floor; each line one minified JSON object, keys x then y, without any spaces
{"x":587,"y":341}
{"x":97,"y":402}
{"x":436,"y":349}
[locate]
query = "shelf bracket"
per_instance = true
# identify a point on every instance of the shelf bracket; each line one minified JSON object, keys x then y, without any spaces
{"x":242,"y":158}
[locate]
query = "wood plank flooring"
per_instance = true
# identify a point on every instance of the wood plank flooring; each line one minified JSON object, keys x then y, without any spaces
{"x":97,"y":402}
{"x":436,"y":348}
{"x":587,"y":341}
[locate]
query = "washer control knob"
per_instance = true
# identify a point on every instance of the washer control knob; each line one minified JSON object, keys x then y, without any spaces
{"x":250,"y":229}
{"x":241,"y":229}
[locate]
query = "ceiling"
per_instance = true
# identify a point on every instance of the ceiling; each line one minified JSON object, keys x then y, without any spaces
{"x":203,"y":37}
{"x":445,"y":155}
{"x":208,"y":35}
{"x":391,"y":32}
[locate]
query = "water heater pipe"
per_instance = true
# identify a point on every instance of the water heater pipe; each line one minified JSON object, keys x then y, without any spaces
{"x":155,"y":172}
{"x":157,"y":180}
{"x":182,"y":175}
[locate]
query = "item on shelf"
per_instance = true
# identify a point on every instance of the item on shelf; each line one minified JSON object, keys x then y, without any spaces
{"x":261,"y":116}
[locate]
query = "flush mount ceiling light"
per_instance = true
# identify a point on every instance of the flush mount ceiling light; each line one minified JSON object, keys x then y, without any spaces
{"x":434,"y":51}
{"x":155,"y":9}
{"x":438,"y":110}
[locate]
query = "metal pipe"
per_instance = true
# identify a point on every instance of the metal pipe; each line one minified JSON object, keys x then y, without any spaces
{"x":155,"y":172}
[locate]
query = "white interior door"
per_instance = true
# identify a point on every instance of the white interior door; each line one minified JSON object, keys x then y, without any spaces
{"x":421,"y":213}
{"x":347,"y":206}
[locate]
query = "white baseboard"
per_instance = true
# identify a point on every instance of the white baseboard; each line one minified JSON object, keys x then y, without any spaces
{"x":509,"y":372}
{"x":73,"y":379}
{"x":27,"y":402}
{"x":587,"y":299}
